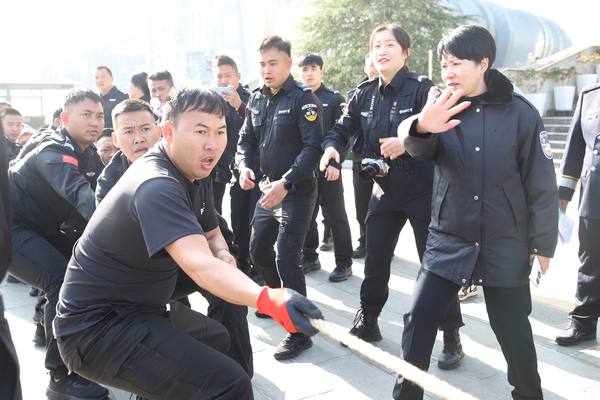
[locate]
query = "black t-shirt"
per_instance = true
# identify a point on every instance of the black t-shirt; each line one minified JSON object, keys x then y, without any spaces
{"x":120,"y":263}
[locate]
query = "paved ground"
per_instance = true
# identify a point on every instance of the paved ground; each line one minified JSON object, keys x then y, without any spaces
{"x":330,"y":371}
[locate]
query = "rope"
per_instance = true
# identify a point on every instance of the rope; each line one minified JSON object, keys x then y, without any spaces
{"x":408,"y":371}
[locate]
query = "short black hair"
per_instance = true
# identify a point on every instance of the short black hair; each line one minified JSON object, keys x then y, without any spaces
{"x":130,"y":105}
{"x":186,"y":98}
{"x":9,"y":111}
{"x":104,"y":67}
{"x":5,"y":103}
{"x":277,"y":42}
{"x":106,"y":132}
{"x":75,"y":96}
{"x":56,"y":113}
{"x":141,"y":80}
{"x":163,"y":75}
{"x":469,"y":42}
{"x":308,"y":59}
{"x":221,"y":59}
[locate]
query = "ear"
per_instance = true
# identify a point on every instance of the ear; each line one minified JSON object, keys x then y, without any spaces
{"x":289,"y":63}
{"x":115,"y":139}
{"x":322,"y":71}
{"x":168,"y":132}
{"x":407,"y":51}
{"x":239,"y":76}
{"x":484,"y":65}
{"x":64,"y":118}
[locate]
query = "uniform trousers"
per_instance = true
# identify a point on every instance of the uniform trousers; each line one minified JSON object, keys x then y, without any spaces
{"x":172,"y":354}
{"x":42,"y":263}
{"x":331,"y":198}
{"x":362,"y":197}
{"x":231,"y":316}
{"x":508,"y":310}
{"x":584,"y":316}
{"x":243,"y":204}
{"x":286,"y":224}
{"x":9,"y":378}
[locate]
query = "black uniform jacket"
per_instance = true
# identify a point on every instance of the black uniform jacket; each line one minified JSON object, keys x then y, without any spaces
{"x":12,"y":149}
{"x":111,"y":174}
{"x":333,"y":107}
{"x":377,"y":110}
{"x":5,"y":210}
{"x":494,"y":192}
{"x":286,"y":129}
{"x":112,"y":98}
{"x":581,"y":158}
{"x":51,"y":179}
{"x":235,"y":120}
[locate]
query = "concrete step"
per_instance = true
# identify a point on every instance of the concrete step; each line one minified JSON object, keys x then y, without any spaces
{"x":558,"y":136}
{"x":556,"y":128}
{"x":557,"y":120}
{"x":557,"y":144}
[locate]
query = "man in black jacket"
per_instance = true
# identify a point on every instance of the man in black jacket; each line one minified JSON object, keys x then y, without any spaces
{"x":9,"y":378}
{"x":284,"y":126}
{"x":53,"y":181}
{"x":111,"y":96}
{"x":12,"y":123}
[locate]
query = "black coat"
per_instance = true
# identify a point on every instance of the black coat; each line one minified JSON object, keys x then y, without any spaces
{"x":494,"y":193}
{"x":581,"y":158}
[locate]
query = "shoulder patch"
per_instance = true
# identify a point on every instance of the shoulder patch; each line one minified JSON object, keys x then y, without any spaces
{"x":310,"y":112}
{"x":302,"y":86}
{"x":545,"y":144}
{"x":70,"y":160}
{"x":416,"y":76}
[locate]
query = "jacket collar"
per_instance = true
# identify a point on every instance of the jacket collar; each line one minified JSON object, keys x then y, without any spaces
{"x":500,"y":90}
{"x":69,"y":139}
{"x":286,"y":87}
{"x":396,"y":82}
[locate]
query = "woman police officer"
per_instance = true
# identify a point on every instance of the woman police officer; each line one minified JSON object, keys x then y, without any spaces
{"x":404,"y":193}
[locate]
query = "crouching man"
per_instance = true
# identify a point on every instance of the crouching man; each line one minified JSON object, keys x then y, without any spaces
{"x":115,"y":324}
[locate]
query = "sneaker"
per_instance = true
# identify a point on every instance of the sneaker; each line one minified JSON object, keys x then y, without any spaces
{"x":39,"y":337}
{"x":452,"y":352}
{"x":309,"y":266}
{"x":327,"y":244}
{"x":340,"y":274}
{"x":75,"y":387}
{"x":466,"y":292}
{"x":360,"y":251}
{"x":292,"y":346}
{"x":365,"y":326}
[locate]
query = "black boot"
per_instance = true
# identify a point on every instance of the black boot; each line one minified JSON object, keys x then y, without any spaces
{"x":340,"y":273}
{"x":365,"y":326}
{"x":453,"y":351}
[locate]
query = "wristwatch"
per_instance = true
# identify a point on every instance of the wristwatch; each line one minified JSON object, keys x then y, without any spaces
{"x":287,"y":184}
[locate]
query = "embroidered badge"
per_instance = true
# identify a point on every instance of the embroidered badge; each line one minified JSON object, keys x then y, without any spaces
{"x":545,"y":143}
{"x":281,"y":112}
{"x":310,"y":112}
{"x":591,"y":114}
{"x":71,"y":160}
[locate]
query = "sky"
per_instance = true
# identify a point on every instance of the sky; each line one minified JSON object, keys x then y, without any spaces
{"x":40,"y":33}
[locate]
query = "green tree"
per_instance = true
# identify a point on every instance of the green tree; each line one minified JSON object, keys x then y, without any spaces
{"x":339,"y":31}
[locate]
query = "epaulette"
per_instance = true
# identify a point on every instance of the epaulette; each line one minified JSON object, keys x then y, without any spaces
{"x":416,"y":76}
{"x":591,"y":88}
{"x":256,"y":89}
{"x":331,"y":90}
{"x":302,"y":86}
{"x":363,"y":83}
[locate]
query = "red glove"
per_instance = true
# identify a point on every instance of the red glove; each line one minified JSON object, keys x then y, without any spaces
{"x":289,"y":308}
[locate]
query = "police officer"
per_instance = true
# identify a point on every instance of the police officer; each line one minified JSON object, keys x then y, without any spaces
{"x":12,"y":123}
{"x":53,"y":182}
{"x":114,"y":319}
{"x":284,"y":125}
{"x":111,"y":96}
{"x":403,"y":187}
{"x":135,"y":134}
{"x":362,"y":189}
{"x":330,"y":188}
{"x":494,"y":209}
{"x":581,"y":160}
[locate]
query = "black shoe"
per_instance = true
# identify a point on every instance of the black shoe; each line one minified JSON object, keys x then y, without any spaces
{"x":360,"y":251}
{"x":340,"y":274}
{"x":309,"y":266}
{"x":39,"y":338}
{"x":33,"y":292}
{"x":365,"y":326}
{"x":292,"y":345}
{"x":261,"y":315}
{"x":452,"y":352}
{"x":253,"y":274}
{"x":140,"y":398}
{"x":12,"y":279}
{"x":327,"y":244}
{"x":75,"y":387}
{"x":571,"y":337}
